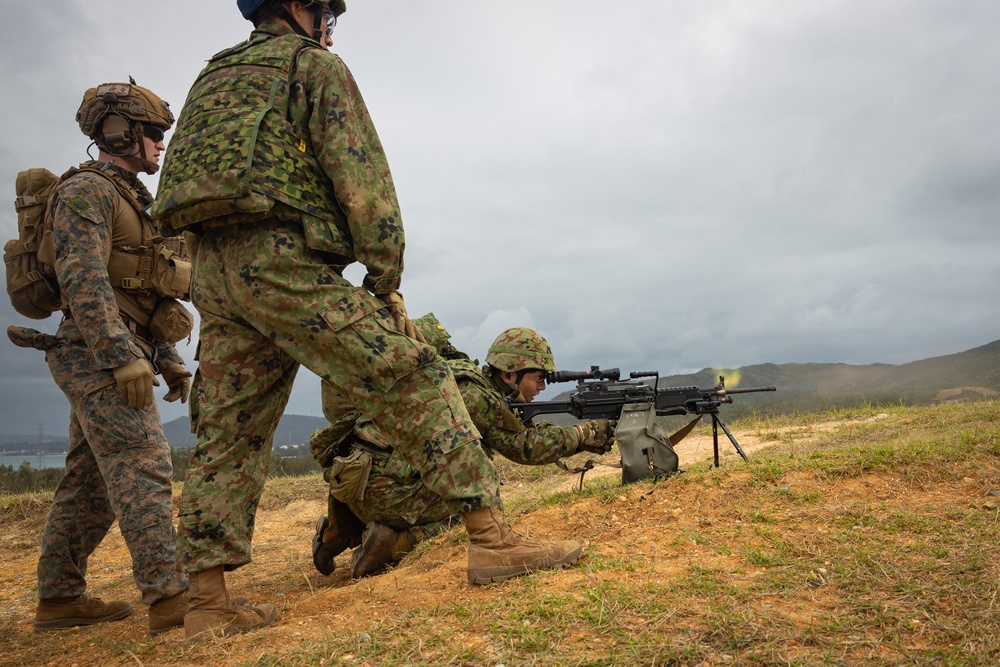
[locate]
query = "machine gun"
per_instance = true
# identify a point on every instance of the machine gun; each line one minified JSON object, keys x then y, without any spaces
{"x":600,"y":394}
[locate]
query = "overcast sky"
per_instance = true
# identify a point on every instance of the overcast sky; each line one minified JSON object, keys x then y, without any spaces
{"x":652,"y":184}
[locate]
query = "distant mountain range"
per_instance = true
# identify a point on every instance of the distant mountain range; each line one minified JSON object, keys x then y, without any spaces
{"x":970,"y":375}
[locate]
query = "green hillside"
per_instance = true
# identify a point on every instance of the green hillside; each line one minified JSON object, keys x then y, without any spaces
{"x":970,"y":375}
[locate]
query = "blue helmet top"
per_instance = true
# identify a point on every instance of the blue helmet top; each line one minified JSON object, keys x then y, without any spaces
{"x":248,"y":7}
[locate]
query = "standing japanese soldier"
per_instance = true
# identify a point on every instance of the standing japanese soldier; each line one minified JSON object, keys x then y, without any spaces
{"x":276,"y":167}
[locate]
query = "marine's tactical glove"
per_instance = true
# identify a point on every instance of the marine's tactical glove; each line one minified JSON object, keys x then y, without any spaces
{"x":177,"y":379}
{"x":597,"y":435}
{"x":135,"y":382}
{"x":394,"y":302}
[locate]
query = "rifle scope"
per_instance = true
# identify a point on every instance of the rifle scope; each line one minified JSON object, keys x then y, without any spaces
{"x":595,"y":373}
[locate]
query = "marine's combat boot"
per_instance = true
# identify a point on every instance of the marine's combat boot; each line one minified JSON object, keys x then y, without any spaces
{"x":382,"y":546}
{"x":57,"y":613}
{"x":334,"y":533}
{"x":497,"y":553}
{"x":168,"y":613}
{"x":212,"y":613}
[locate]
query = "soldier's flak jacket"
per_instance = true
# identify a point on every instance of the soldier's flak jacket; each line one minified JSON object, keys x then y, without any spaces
{"x":337,"y":187}
{"x":285,"y":168}
{"x":145,"y":272}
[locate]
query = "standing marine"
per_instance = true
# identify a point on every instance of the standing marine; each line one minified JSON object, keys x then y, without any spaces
{"x":276,"y":168}
{"x":117,"y":279}
{"x":372,"y":489}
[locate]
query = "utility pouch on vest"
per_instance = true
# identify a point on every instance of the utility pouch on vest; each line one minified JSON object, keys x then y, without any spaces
{"x":326,"y":236}
{"x":327,"y":443}
{"x":171,"y":321}
{"x":171,"y":275}
{"x":644,"y":446}
{"x":348,"y":476}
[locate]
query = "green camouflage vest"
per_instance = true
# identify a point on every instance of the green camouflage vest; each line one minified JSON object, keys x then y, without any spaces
{"x":236,"y":149}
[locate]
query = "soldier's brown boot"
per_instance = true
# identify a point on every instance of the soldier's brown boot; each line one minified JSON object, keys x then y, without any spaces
{"x":212,"y":613}
{"x":334,"y":533}
{"x":56,"y":613}
{"x":497,"y":553}
{"x":168,"y":613}
{"x":381,"y":546}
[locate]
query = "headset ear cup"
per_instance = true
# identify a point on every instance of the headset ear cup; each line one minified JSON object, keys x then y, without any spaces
{"x":117,"y":134}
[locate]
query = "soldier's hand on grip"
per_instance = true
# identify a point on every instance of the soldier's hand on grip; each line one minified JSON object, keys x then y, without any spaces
{"x":597,"y":435}
{"x":135,"y":382}
{"x":178,"y":380}
{"x":394,"y":302}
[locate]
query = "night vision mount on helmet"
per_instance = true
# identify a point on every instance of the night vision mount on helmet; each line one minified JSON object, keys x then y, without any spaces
{"x":113,"y":115}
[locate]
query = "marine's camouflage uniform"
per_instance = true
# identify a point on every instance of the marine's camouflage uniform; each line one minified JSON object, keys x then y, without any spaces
{"x":269,"y":303}
{"x":394,"y":494}
{"x":118,"y":465}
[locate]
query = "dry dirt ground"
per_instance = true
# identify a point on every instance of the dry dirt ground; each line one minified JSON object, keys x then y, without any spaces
{"x":311,"y":605}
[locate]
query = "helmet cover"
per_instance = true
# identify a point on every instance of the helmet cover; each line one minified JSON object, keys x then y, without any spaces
{"x":520,"y":348}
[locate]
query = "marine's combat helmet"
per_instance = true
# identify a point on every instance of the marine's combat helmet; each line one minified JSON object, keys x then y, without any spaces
{"x":113,"y":115}
{"x":520,"y":348}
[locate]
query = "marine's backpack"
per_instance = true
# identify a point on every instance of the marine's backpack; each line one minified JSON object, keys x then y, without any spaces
{"x":31,"y":281}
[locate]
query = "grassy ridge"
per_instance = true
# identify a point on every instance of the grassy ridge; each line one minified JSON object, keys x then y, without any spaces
{"x":876,"y":546}
{"x":870,"y":540}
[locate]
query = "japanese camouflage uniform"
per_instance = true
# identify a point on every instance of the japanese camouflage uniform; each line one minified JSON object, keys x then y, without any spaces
{"x":377,"y":484}
{"x":276,"y":165}
{"x":118,"y":465}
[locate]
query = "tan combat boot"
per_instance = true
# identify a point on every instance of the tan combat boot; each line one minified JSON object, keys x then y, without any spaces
{"x":211,"y":613}
{"x":56,"y":613}
{"x":334,"y":533}
{"x":497,"y":553}
{"x":382,"y":546}
{"x":168,"y":613}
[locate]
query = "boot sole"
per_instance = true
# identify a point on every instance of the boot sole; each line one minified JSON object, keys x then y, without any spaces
{"x":75,"y":621}
{"x":160,"y":631}
{"x":325,"y":568}
{"x":232,"y":630}
{"x":486,"y":575}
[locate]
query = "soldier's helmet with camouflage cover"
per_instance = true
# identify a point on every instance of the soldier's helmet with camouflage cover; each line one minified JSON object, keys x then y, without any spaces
{"x":113,"y":115}
{"x":520,"y":348}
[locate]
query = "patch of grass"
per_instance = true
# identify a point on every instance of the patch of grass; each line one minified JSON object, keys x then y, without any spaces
{"x":877,"y":543}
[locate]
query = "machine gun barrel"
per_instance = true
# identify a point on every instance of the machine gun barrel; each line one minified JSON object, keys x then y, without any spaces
{"x":721,"y":390}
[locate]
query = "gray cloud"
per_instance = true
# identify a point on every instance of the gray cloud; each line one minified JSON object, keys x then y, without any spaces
{"x":653,"y":185}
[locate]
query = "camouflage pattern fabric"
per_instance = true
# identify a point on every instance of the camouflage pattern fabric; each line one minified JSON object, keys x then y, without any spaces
{"x":118,"y":465}
{"x":395,"y":494}
{"x":315,"y":155}
{"x":267,"y":305}
{"x":268,"y":286}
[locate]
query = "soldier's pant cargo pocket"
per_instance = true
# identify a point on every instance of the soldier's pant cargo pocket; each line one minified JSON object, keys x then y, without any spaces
{"x":383,"y":354}
{"x":348,"y":477}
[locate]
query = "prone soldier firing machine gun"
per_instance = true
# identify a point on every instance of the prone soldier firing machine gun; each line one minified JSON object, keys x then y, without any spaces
{"x":646,"y":450}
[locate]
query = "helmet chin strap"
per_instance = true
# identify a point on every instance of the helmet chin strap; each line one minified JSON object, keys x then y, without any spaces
{"x":294,"y":25}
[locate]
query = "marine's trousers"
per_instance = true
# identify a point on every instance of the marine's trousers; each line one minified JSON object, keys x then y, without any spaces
{"x":117,"y":467}
{"x":268,"y":305}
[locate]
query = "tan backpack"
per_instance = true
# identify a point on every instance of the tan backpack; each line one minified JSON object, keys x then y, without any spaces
{"x":31,"y":282}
